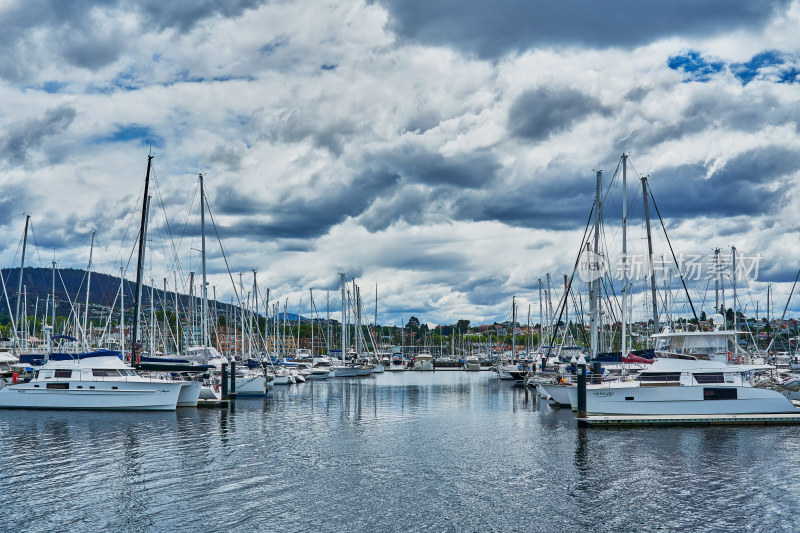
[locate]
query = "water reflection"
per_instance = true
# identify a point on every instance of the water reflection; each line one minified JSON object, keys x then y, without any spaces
{"x":409,"y":451}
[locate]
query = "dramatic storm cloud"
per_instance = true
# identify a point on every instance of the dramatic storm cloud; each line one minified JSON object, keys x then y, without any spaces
{"x":445,"y":151}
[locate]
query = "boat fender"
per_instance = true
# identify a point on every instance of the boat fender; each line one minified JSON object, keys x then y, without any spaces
{"x":15,"y":377}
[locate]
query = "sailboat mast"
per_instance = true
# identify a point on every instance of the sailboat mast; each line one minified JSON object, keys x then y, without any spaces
{"x":344,"y":319}
{"x":136,"y":357}
{"x":624,"y":340}
{"x":53,"y":323}
{"x":204,"y":318}
{"x":311,"y":311}
{"x":650,"y":255}
{"x":19,"y":286}
{"x":88,"y":289}
{"x":513,"y":328}
{"x":121,"y":309}
{"x":541,"y":316}
{"x":594,"y":292}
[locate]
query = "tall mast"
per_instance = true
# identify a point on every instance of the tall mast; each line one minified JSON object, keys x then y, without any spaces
{"x":735,"y":321}
{"x":548,"y":294}
{"x":53,"y":323}
{"x":121,"y":309}
{"x":513,"y":328}
{"x":88,"y":288}
{"x":624,"y":340}
{"x":650,"y":255}
{"x":541,"y":319}
{"x":255,"y":310}
{"x":344,"y":319}
{"x":19,"y":286}
{"x":152,"y":317}
{"x":177,"y":323}
{"x":716,"y":280}
{"x":136,"y":357}
{"x":203,"y":259}
{"x":594,"y":293}
{"x":164,"y":336}
{"x":311,"y":308}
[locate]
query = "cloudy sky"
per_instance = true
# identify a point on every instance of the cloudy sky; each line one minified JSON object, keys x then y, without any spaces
{"x":445,"y":151}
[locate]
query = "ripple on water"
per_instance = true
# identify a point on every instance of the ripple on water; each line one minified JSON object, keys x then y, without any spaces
{"x":444,"y":451}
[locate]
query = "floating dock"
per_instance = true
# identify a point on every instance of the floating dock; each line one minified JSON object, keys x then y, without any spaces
{"x":212,"y":403}
{"x":691,"y":420}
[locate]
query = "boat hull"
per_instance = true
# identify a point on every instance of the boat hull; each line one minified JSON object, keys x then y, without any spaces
{"x":190,"y":393}
{"x":162,"y":396}
{"x":558,"y":393}
{"x":686,"y":400}
{"x":251,"y":386}
{"x":352,"y":372}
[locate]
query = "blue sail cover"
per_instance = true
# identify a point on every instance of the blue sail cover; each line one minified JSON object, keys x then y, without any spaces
{"x":86,"y":355}
{"x":146,"y":359}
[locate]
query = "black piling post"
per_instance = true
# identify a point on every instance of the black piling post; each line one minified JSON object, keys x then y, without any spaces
{"x":233,"y":378}
{"x":581,"y":390}
{"x":224,"y":381}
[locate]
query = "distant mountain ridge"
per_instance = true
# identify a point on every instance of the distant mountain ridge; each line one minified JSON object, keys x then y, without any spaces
{"x":70,"y":285}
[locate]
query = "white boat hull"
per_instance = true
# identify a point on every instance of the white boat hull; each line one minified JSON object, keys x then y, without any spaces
{"x":684,"y":400}
{"x":352,"y":371}
{"x":558,"y":393}
{"x":251,"y":386}
{"x":190,"y":393}
{"x":106,"y":395}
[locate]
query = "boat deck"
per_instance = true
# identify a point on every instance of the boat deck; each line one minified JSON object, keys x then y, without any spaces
{"x":692,"y":420}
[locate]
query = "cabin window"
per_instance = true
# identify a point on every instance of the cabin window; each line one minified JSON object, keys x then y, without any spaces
{"x":105,"y":372}
{"x":80,"y":386}
{"x":114,"y":388}
{"x":58,"y":385}
{"x":720,"y":394}
{"x":91,"y":386}
{"x":660,"y":376}
{"x":63,"y":373}
{"x":628,"y":397}
{"x":710,"y":377}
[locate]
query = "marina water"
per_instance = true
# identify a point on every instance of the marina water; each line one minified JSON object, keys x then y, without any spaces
{"x":404,"y":451}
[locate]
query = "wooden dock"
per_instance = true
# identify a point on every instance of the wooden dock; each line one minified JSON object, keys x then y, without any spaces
{"x":691,"y":420}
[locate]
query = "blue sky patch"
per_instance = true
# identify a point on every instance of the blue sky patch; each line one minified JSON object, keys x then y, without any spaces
{"x":273,"y":45}
{"x":132,"y":132}
{"x":746,"y":72}
{"x":695,"y":66}
{"x":53,"y":87}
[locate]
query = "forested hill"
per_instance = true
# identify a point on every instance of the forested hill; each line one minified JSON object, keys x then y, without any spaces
{"x":70,"y":285}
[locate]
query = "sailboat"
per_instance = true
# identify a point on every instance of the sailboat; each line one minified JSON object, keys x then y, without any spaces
{"x":92,"y":380}
{"x":343,"y":369}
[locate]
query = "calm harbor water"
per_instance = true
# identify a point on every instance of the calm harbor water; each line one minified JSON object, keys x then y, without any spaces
{"x":443,"y":451}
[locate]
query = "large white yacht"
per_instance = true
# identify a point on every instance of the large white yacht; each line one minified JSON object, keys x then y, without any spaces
{"x":95,"y":380}
{"x":699,"y":372}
